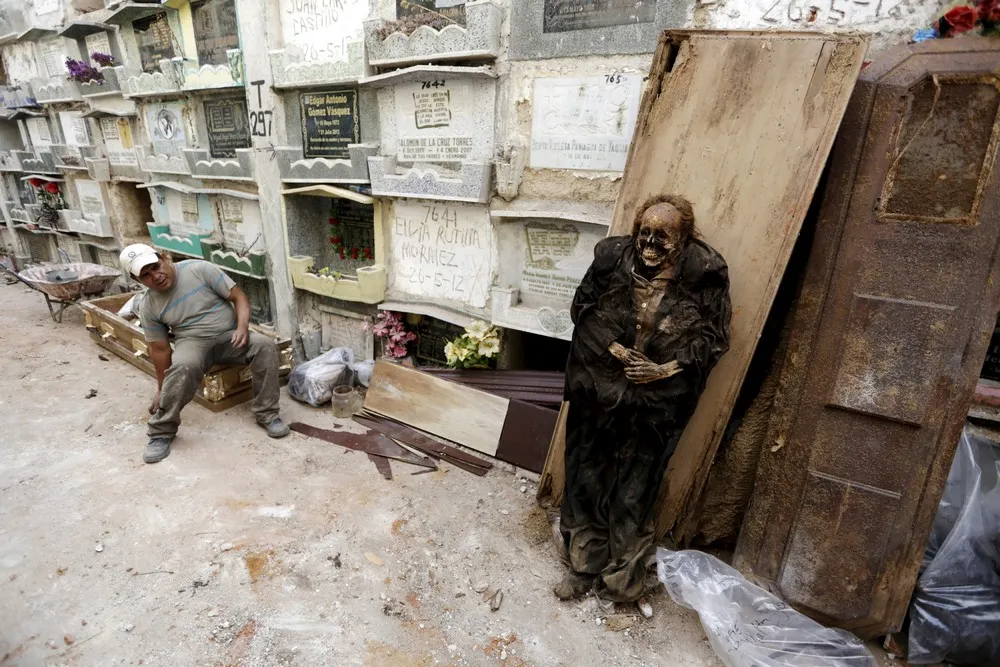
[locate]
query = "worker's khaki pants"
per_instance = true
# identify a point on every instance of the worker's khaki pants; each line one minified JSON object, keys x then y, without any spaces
{"x":192,"y":357}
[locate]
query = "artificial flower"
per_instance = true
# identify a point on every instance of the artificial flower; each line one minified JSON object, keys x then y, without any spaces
{"x":489,"y":347}
{"x":989,"y":11}
{"x":477,"y":329}
{"x":52,"y":188}
{"x":103,"y":59}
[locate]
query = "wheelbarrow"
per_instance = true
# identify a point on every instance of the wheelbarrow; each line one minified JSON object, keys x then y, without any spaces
{"x":63,"y":285}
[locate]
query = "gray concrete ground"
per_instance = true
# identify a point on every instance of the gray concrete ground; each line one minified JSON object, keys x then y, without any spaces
{"x":240,"y":550}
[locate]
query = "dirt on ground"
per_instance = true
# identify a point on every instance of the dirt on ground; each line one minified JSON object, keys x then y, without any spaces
{"x":241,"y":550}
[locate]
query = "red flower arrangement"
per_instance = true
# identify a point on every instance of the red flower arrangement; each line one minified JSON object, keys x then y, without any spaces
{"x":989,"y":11}
{"x":961,"y":19}
{"x":985,"y":14}
{"x":337,"y":241}
{"x":50,"y":199}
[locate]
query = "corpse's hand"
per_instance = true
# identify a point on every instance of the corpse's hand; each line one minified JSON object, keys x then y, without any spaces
{"x":240,"y":337}
{"x":640,"y":370}
{"x":619,"y":352}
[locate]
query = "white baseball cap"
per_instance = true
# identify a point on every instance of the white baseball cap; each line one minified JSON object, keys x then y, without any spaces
{"x":136,"y":256}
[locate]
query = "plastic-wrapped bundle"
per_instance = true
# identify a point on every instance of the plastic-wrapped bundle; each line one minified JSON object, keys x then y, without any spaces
{"x":746,"y":625}
{"x":313,"y":381}
{"x":955,"y":611}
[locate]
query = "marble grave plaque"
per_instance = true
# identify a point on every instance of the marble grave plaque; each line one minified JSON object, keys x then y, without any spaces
{"x":435,"y":122}
{"x":329,"y":123}
{"x":585,"y":122}
{"x":215,"y":30}
{"x":118,"y":142}
{"x":566,"y":15}
{"x":228,"y":128}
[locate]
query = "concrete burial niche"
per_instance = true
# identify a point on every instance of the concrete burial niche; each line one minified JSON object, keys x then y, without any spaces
{"x":10,"y":142}
{"x":333,"y":132}
{"x":397,"y":41}
{"x":182,"y":218}
{"x":326,"y":323}
{"x":77,"y":136}
{"x":437,"y":127}
{"x":443,"y":254}
{"x":116,"y":158}
{"x":91,"y":38}
{"x":563,"y":28}
{"x":545,"y":250}
{"x":33,"y":213}
{"x":19,"y":195}
{"x":53,"y":86}
{"x":323,"y":43}
{"x":169,"y":130}
{"x":216,"y":123}
{"x":335,"y":243}
{"x":185,"y":47}
{"x":238,"y":243}
{"x":38,"y":158}
{"x":89,"y":208}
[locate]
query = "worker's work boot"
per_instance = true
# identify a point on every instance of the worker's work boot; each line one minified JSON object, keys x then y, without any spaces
{"x":157,"y":449}
{"x":573,"y":585}
{"x":275,"y":428}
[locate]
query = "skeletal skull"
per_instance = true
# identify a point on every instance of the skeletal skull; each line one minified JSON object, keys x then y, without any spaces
{"x":660,"y":239}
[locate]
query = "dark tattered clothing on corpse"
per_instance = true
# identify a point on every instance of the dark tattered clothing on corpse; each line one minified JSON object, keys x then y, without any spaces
{"x":620,"y":435}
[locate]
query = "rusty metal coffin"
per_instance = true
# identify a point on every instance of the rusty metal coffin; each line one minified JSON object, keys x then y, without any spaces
{"x":898,"y":305}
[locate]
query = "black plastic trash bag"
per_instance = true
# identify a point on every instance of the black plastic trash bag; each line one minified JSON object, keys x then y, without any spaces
{"x":955,"y":611}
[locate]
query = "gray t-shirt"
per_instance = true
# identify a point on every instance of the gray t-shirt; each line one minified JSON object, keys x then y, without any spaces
{"x":196,"y":306}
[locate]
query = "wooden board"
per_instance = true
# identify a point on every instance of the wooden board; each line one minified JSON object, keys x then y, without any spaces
{"x":461,"y":414}
{"x":550,"y":485}
{"x":741,"y":124}
{"x":527,"y":433}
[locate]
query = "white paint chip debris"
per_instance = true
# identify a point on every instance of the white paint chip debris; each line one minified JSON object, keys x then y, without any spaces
{"x":276,"y":512}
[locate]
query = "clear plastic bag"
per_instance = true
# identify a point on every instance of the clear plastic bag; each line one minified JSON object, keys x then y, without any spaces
{"x":746,"y":625}
{"x":955,"y":611}
{"x":313,"y":381}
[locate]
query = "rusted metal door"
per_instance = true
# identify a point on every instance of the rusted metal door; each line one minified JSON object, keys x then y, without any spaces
{"x":899,"y":301}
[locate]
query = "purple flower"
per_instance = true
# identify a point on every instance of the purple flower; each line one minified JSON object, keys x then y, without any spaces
{"x":82,"y":72}
{"x":103,"y":59}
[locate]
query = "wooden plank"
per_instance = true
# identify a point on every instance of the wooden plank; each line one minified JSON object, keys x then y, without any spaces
{"x":527,"y":434}
{"x":741,"y":124}
{"x":553,"y":479}
{"x":461,"y":414}
{"x":415,"y":440}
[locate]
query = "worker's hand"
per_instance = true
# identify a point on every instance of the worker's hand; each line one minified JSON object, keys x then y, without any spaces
{"x":619,"y":352}
{"x":154,"y":407}
{"x":240,"y":337}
